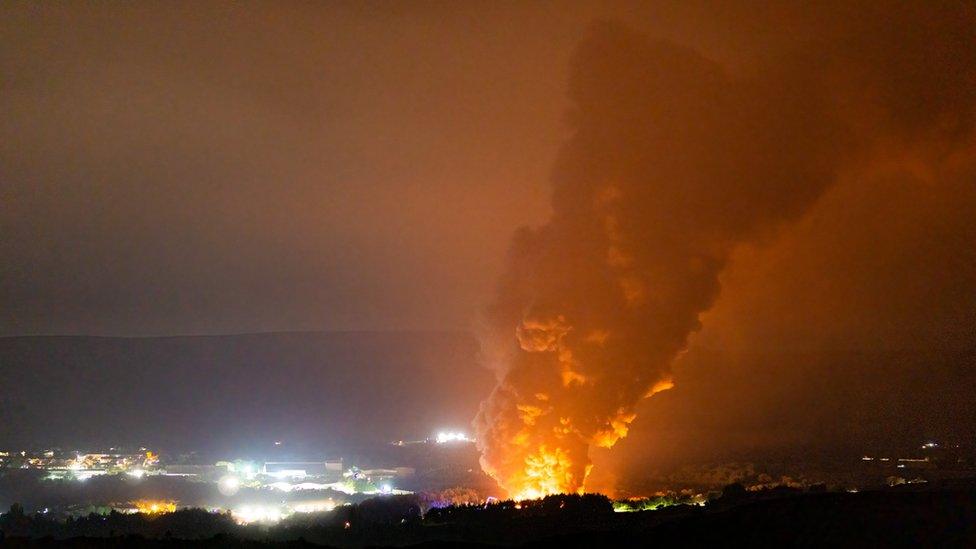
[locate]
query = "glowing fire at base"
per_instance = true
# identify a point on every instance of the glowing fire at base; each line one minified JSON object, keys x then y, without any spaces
{"x":547,"y":472}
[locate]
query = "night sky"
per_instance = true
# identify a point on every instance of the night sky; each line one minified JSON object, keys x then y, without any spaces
{"x":806,"y":191}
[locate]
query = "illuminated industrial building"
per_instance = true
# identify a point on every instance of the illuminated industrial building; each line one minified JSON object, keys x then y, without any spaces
{"x":329,"y":470}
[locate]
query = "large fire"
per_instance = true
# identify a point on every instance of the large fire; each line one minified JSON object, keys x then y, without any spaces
{"x":546,"y":472}
{"x":541,"y":446}
{"x":543,"y":425}
{"x":674,"y":163}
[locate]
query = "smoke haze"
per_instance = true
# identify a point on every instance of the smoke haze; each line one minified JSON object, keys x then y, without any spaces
{"x":784,"y":190}
{"x":675,"y":163}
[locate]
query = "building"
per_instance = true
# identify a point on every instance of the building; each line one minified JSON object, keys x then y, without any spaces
{"x":328,"y":470}
{"x":197,"y":472}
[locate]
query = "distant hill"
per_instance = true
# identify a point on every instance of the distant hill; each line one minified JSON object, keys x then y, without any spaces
{"x":309,"y":390}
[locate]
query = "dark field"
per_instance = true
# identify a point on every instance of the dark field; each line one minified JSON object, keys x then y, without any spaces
{"x":944,"y":516}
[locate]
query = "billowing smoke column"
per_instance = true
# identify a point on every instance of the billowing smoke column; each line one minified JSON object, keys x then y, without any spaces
{"x":672,"y":164}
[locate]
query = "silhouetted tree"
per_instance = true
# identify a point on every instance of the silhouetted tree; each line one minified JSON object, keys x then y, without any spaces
{"x":733,"y":492}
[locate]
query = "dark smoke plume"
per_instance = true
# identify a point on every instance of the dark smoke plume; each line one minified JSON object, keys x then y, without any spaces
{"x":672,"y":164}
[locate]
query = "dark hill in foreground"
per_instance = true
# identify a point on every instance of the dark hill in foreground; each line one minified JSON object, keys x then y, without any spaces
{"x":943,"y":517}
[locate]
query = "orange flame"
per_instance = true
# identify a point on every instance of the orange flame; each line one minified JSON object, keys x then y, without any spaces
{"x":547,"y":471}
{"x":151,"y":507}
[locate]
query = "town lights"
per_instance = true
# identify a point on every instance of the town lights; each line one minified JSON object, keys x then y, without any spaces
{"x":450,"y":436}
{"x":315,"y":506}
{"x":150,"y":507}
{"x":257,"y":513}
{"x":229,"y":485}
